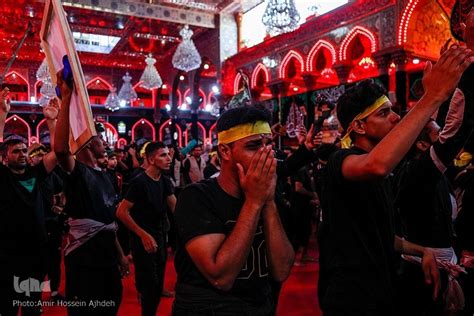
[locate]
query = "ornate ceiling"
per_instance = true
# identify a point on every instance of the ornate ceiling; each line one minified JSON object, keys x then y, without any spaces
{"x":139,"y":31}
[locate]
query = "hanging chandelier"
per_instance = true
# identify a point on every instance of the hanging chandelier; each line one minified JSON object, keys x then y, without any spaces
{"x":127,"y":94}
{"x":186,"y":57}
{"x":112,"y":102}
{"x":150,"y":78}
{"x":47,"y":90}
{"x":280,"y":17}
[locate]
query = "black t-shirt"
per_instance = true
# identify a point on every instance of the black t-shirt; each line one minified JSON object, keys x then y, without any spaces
{"x":357,"y":240}
{"x":53,"y":184}
{"x":149,"y":202}
{"x":464,"y":223}
{"x":205,"y":208}
{"x":424,"y":202}
{"x":302,"y":176}
{"x":210,"y":170}
{"x":22,"y":231}
{"x":90,"y":194}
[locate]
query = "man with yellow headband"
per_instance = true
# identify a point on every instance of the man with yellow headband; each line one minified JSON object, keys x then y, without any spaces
{"x":231,"y":242}
{"x":359,"y":243}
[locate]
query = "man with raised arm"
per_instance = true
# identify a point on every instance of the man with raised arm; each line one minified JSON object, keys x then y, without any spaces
{"x":93,"y":257}
{"x":359,"y":242}
{"x":22,"y":226}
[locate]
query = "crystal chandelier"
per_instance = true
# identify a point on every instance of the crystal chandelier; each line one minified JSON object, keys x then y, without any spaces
{"x":280,"y":17}
{"x":150,"y":78}
{"x":112,"y":102}
{"x":295,"y":119}
{"x":47,"y":90}
{"x":127,"y":94}
{"x":186,"y":57}
{"x":43,"y":71}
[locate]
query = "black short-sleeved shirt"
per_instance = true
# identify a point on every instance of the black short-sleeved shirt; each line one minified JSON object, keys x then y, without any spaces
{"x":424,"y":202}
{"x":149,"y":202}
{"x":90,"y":194}
{"x":22,"y":230}
{"x":358,"y":240}
{"x":464,"y":223}
{"x":205,"y":208}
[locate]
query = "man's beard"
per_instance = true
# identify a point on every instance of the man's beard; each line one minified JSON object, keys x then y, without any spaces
{"x":17,"y":166}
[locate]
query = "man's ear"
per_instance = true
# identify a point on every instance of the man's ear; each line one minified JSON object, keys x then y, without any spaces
{"x":359,"y":127}
{"x":224,"y":151}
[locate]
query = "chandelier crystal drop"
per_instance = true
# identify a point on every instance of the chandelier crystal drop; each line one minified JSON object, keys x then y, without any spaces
{"x":47,"y":92}
{"x":112,"y":102}
{"x":43,"y":71}
{"x":127,"y":93}
{"x":280,"y":17}
{"x":150,"y":78}
{"x":295,"y":119}
{"x":186,"y":57}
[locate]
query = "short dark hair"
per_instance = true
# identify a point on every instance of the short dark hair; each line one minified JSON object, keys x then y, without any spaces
{"x":10,"y":143}
{"x":356,"y":99}
{"x":152,"y":147}
{"x":243,"y":115}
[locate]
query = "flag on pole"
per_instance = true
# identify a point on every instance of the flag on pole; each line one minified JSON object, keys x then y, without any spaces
{"x":244,"y":96}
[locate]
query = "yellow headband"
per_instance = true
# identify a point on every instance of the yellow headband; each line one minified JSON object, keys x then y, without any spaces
{"x":242,"y":131}
{"x":37,"y":152}
{"x":463,"y":160}
{"x":346,"y":140}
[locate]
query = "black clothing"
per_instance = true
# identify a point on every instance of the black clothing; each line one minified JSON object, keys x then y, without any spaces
{"x":149,"y":212}
{"x":464,"y":222}
{"x":424,"y":203}
{"x":210,"y":170}
{"x":22,"y":235}
{"x":90,"y":284}
{"x":149,"y":202}
{"x":90,"y":194}
{"x":301,"y":210}
{"x":357,"y":244}
{"x":205,"y":208}
{"x":92,"y":269}
{"x":51,"y":186}
{"x":21,"y":211}
{"x":112,"y":174}
{"x":149,"y":273}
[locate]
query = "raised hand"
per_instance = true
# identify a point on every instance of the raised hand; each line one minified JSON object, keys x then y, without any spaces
{"x":51,"y":110}
{"x":259,"y":181}
{"x":440,"y":80}
{"x":301,"y":134}
{"x":4,"y":101}
{"x":313,"y":141}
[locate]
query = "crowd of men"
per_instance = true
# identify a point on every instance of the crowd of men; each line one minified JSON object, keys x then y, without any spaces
{"x":395,"y":198}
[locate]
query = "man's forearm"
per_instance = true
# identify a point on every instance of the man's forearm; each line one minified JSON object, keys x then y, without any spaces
{"x":61,"y":142}
{"x":52,"y":130}
{"x":394,"y":146}
{"x":280,"y":253}
{"x":127,"y":220}
{"x":234,"y":251}
{"x":3,"y":117}
{"x":408,"y":248}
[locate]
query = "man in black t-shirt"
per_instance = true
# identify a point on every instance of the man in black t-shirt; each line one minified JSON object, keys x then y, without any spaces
{"x":143,"y":211}
{"x":93,"y":257}
{"x":22,"y":228}
{"x":359,"y":240}
{"x":230,"y":238}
